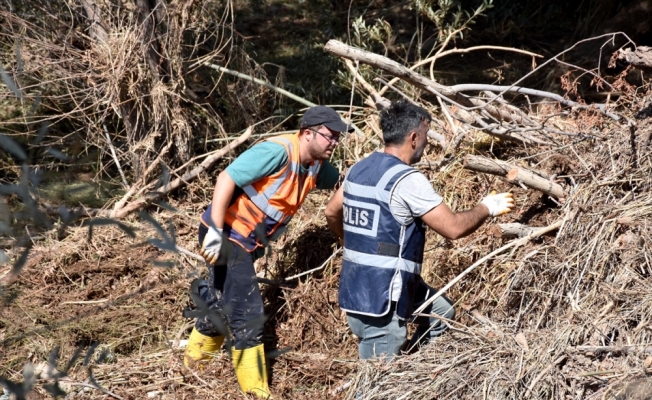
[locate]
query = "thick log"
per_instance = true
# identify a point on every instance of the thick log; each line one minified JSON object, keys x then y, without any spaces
{"x":437,"y":137}
{"x":487,"y":166}
{"x":641,"y":57}
{"x":512,"y":230}
{"x":535,"y":181}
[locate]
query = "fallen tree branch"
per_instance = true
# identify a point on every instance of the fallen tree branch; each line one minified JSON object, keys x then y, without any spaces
{"x":340,"y":49}
{"x":262,"y":83}
{"x":276,"y":89}
{"x":134,"y":188}
{"x":180,"y":181}
{"x":449,"y":93}
{"x":538,"y":93}
{"x":463,"y":51}
{"x":514,"y":243}
{"x":532,"y":179}
{"x":378,"y":102}
{"x":486,"y":165}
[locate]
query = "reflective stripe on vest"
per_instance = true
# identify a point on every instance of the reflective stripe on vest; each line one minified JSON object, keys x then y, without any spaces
{"x":270,"y":202}
{"x":380,"y":261}
{"x":377,"y":246}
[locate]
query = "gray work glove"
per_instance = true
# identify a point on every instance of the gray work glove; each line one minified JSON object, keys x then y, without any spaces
{"x":210,"y":247}
{"x":499,"y":204}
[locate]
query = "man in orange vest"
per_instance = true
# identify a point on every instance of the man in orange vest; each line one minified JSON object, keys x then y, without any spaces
{"x":254,"y":199}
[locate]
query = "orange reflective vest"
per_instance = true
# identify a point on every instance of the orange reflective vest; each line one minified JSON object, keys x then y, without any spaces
{"x":270,"y":202}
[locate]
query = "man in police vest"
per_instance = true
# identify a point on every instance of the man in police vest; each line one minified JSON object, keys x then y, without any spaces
{"x":380,"y":212}
{"x":254,"y":199}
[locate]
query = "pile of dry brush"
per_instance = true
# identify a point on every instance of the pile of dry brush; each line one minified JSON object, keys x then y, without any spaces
{"x":553,"y":299}
{"x":130,"y":81}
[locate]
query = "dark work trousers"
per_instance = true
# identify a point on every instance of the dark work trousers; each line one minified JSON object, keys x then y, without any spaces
{"x":233,"y":293}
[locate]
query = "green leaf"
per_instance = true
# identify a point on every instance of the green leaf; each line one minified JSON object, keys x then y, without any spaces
{"x":20,"y":262}
{"x":10,"y":83}
{"x":11,"y":146}
{"x":164,"y":264}
{"x":109,"y":221}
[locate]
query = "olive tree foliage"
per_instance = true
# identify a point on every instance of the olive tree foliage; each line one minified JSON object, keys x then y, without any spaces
{"x":450,"y":22}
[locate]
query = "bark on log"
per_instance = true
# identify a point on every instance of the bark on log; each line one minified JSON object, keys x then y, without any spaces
{"x":500,"y":113}
{"x":378,"y":101}
{"x":487,"y":166}
{"x":512,"y":230}
{"x":437,"y":137}
{"x":534,"y":181}
{"x":641,"y":57}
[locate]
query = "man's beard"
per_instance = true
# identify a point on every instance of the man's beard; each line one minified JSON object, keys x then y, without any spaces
{"x":416,"y":157}
{"x":318,"y":154}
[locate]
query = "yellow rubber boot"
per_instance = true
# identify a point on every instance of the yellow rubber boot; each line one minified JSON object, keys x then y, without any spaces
{"x":251,"y":370}
{"x":201,"y":347}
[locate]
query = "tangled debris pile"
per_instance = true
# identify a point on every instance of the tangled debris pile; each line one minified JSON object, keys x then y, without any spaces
{"x":563,"y":315}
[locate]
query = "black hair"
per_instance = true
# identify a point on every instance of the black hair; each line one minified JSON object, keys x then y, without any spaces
{"x":399,"y":119}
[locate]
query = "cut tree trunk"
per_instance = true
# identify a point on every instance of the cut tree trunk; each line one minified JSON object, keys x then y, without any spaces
{"x":514,"y":174}
{"x":534,"y":181}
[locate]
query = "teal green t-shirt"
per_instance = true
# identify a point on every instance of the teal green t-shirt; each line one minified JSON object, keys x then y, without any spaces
{"x":267,"y":158}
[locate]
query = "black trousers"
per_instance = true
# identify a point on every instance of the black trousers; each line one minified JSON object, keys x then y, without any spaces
{"x":233,"y":296}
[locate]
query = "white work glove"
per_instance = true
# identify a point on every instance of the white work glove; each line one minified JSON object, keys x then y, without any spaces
{"x":499,"y":204}
{"x":210,"y":247}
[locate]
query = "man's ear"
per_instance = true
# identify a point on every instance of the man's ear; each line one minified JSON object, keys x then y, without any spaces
{"x":412,"y":137}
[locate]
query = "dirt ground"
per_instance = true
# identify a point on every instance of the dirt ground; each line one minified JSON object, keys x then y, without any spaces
{"x":75,"y":293}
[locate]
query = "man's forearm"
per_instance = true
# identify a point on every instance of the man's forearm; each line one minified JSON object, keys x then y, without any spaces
{"x":224,"y":188}
{"x":335,"y":213}
{"x":469,"y":221}
{"x":336,"y":225}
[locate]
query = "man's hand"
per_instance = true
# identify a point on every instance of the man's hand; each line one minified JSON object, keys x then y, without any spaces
{"x":210,"y":248}
{"x":499,"y":204}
